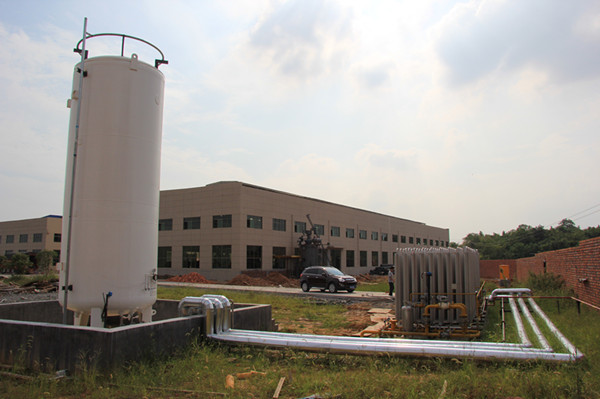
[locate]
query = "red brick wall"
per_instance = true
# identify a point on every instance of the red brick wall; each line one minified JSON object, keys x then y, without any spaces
{"x":573,"y":264}
{"x":490,"y":269}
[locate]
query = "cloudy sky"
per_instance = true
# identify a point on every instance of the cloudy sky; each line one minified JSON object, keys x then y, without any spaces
{"x":468,"y":115}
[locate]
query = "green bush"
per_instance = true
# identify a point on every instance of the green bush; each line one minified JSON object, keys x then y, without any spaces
{"x":547,"y":282}
{"x":19,"y":263}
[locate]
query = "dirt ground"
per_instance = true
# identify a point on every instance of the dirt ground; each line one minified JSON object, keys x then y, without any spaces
{"x":260,"y":278}
{"x":256,"y":278}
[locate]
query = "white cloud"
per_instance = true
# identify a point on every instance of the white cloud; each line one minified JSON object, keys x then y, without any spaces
{"x":480,"y":37}
{"x":192,"y":168}
{"x":476,"y":115}
{"x":35,"y":79}
{"x":303,"y":39}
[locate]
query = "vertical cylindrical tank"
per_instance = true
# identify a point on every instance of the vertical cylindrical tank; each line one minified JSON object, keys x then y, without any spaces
{"x":115,"y":190}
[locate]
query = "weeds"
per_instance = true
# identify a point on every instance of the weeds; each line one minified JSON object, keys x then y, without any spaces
{"x":200,"y":369}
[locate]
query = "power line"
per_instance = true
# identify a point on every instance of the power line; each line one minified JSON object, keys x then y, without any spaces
{"x":591,"y":213}
{"x":578,"y":213}
{"x":585,"y":210}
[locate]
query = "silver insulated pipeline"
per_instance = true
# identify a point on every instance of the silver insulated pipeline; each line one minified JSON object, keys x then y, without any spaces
{"x":218,"y":310}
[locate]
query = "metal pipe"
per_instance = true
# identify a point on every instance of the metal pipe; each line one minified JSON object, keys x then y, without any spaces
{"x":519,"y":323}
{"x":563,"y":340}
{"x":461,"y":306}
{"x":499,"y":291}
{"x":225,"y":315}
{"x":503,"y":323}
{"x":189,"y":306}
{"x":388,"y":346}
{"x":536,"y":330}
{"x":406,"y":342}
{"x":65,"y":287}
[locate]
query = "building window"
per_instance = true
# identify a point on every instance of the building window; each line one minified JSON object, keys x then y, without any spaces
{"x":430,"y":242}
{"x":254,"y":222}
{"x":57,"y":237}
{"x":191,"y":257}
{"x":253,"y":257}
{"x":394,"y":237}
{"x":374,"y":235}
{"x":384,"y":236}
{"x":10,"y":239}
{"x":336,"y":258}
{"x":164,"y":256}
{"x":374,"y":258}
{"x":418,"y":241}
{"x":221,"y":256}
{"x":279,"y":224}
{"x":411,"y":240}
{"x":335,"y":231}
{"x":165,"y":224}
{"x":437,"y":243}
{"x":37,"y":237}
{"x":299,"y":227}
{"x":362,"y":234}
{"x":384,"y":258}
{"x":403,"y":239}
{"x":349,"y":233}
{"x":349,"y":258}
{"x":221,"y":221}
{"x":363,"y":258}
{"x":319,"y":229}
{"x":278,"y":257}
{"x":192,"y":223}
{"x":23,"y":238}
{"x":8,"y":253}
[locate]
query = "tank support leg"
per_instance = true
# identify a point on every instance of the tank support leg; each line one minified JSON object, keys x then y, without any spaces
{"x":96,"y":318}
{"x":81,"y":318}
{"x":147,"y":315}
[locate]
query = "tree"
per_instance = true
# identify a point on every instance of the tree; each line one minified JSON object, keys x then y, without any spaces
{"x":526,"y":241}
{"x":45,"y":259}
{"x":19,"y":263}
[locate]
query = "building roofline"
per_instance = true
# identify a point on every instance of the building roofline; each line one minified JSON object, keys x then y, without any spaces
{"x":43,"y":217}
{"x":301,"y":196}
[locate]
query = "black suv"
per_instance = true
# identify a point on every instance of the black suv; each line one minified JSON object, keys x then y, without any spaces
{"x":381,"y":270}
{"x":326,"y":277}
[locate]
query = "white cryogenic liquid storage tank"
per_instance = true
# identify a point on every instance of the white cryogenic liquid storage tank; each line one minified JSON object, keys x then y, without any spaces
{"x":110,"y":233}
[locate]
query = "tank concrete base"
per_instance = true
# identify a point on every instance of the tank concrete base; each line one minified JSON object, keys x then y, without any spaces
{"x":31,"y":335}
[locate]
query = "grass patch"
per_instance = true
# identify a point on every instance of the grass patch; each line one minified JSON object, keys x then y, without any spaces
{"x":380,"y":286}
{"x":200,"y":369}
{"x":292,"y":313}
{"x":28,"y":279}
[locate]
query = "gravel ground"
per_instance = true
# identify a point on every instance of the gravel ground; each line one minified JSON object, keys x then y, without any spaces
{"x":27,"y":297}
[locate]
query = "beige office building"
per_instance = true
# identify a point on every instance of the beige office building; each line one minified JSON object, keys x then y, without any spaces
{"x":225,"y":228}
{"x":30,"y":236}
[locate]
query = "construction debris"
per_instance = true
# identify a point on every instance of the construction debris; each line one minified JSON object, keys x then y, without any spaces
{"x":243,"y":376}
{"x":263,"y":279}
{"x":251,"y":278}
{"x":278,"y":389}
{"x":191,"y":278}
{"x":11,"y":292}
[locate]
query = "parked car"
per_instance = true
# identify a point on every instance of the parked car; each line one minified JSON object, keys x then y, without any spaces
{"x":326,"y":277}
{"x":381,"y":270}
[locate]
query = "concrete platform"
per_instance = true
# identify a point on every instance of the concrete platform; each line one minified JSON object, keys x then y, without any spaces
{"x":31,"y":335}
